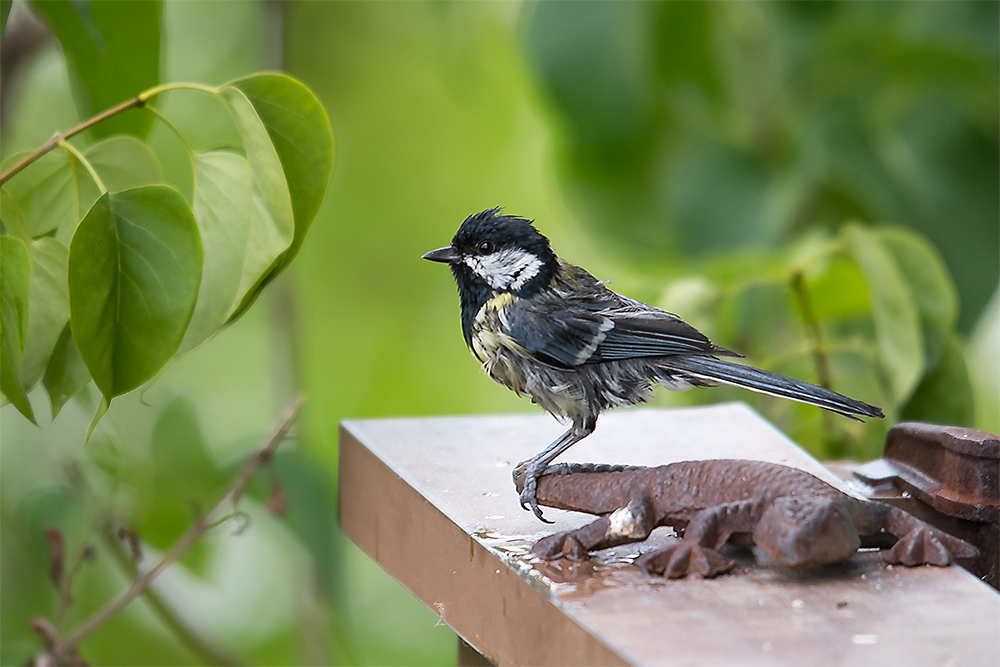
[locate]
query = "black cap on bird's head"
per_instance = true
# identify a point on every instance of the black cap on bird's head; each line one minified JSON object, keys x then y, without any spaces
{"x":492,"y":252}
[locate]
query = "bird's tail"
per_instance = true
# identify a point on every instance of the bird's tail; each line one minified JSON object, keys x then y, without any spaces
{"x":710,"y":370}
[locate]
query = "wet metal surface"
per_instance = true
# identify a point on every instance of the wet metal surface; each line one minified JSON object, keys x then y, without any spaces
{"x":431,"y":500}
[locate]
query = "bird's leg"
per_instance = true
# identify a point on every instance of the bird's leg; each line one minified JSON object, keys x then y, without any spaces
{"x":534,"y":467}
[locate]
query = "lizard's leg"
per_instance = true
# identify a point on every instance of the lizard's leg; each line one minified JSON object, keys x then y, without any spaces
{"x":920,"y":543}
{"x":698,"y":553}
{"x":798,"y":532}
{"x":631,"y":523}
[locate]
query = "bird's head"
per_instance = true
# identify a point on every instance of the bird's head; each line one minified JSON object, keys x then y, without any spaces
{"x":499,"y":253}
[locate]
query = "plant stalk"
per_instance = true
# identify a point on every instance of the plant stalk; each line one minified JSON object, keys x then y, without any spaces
{"x":190,"y":536}
{"x":133,"y":103}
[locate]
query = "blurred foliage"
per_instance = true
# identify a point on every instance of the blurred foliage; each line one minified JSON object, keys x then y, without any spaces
{"x":869,"y":312}
{"x":689,"y":128}
{"x":112,"y":52}
{"x":96,"y":243}
{"x":704,"y":156}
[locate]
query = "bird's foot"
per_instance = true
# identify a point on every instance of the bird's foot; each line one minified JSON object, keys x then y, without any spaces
{"x":526,"y":476}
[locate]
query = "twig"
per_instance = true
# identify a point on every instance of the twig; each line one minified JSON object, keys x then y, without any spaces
{"x":133,"y":103}
{"x":823,"y":376}
{"x":210,"y":654}
{"x":812,"y":323}
{"x":191,"y":535}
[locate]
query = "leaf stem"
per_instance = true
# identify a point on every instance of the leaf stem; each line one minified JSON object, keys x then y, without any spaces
{"x":812,"y":323}
{"x":72,"y":150}
{"x":824,"y":379}
{"x":173,"y":128}
{"x":190,"y":536}
{"x":136,"y":102}
{"x":153,"y":92}
{"x":133,"y":103}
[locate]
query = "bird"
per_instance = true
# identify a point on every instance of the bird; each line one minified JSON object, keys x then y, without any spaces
{"x":549,"y":330}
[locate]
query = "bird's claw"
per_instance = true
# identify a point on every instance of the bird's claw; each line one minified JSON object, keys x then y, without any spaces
{"x":527,"y":497}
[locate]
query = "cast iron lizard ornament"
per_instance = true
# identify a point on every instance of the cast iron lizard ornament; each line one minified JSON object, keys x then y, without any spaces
{"x":796,"y":519}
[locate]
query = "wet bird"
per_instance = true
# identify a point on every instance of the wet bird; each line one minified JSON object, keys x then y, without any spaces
{"x":548,"y":329}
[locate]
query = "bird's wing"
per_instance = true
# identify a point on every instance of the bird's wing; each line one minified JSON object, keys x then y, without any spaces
{"x":563,"y":337}
{"x":603,"y":327}
{"x":644,"y":331}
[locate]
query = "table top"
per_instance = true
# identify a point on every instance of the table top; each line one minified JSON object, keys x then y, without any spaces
{"x":432,"y":501}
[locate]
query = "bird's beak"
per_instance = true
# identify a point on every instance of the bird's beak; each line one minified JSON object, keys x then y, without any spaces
{"x":448,"y":255}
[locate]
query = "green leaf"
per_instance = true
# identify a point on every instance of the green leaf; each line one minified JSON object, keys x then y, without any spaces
{"x":113,"y":53}
{"x":301,"y":134}
{"x":134,"y":272}
{"x":945,"y":394}
{"x":272,"y":222}
{"x":840,"y":291}
{"x":5,"y":6}
{"x":184,"y":473}
{"x":44,"y":194}
{"x":897,"y":320}
{"x":55,"y":192}
{"x":12,"y":220}
{"x":15,"y":281}
{"x":933,"y":290}
{"x":102,"y":410}
{"x":222,"y":200}
{"x":67,"y":374}
{"x":122,"y":162}
{"x":48,"y":310}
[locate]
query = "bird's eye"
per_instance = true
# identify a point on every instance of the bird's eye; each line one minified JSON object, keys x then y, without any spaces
{"x":485,"y":247}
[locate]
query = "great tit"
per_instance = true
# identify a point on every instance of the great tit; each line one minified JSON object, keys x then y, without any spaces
{"x":545,"y":328}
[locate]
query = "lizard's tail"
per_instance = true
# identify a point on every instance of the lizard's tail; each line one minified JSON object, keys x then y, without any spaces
{"x":709,"y":370}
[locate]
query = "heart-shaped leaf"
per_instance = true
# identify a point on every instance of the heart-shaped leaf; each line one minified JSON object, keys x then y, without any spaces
{"x":48,"y":310}
{"x":299,"y":131}
{"x":67,"y":374}
{"x":56,"y":191}
{"x":44,"y":194}
{"x":272,"y":223}
{"x":222,"y":200}
{"x":15,"y":280}
{"x":134,"y":272}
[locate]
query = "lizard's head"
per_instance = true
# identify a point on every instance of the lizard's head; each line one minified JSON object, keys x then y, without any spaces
{"x":797,"y":532}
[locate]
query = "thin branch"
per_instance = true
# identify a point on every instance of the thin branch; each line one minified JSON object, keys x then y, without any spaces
{"x":85,"y":553}
{"x":136,"y":102}
{"x":812,"y":323}
{"x":133,"y":103}
{"x":819,"y":353}
{"x":212,"y":655}
{"x":192,"y":534}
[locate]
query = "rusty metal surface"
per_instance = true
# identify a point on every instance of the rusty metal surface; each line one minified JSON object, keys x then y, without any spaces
{"x":954,"y":470}
{"x":432,"y":501}
{"x":947,"y":476}
{"x":798,"y":520}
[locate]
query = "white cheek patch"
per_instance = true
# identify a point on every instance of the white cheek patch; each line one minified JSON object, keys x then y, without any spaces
{"x":509,"y":268}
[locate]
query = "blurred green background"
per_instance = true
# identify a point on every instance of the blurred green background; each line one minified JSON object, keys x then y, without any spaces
{"x":700,"y":154}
